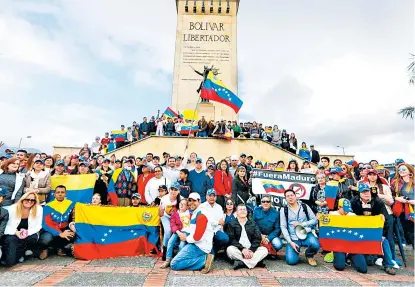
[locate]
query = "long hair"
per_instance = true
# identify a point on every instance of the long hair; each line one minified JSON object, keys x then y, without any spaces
{"x":30,"y":161}
{"x":349,"y":173}
{"x":234,"y":207}
{"x":237,"y":175}
{"x":227,"y":166}
{"x":5,"y":165}
{"x":19,"y":205}
{"x":296,"y":165}
{"x":399,"y":178}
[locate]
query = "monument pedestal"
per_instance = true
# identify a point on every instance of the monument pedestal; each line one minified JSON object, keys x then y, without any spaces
{"x":206,"y":35}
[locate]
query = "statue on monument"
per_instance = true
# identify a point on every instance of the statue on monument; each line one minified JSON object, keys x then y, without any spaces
{"x":205,"y":73}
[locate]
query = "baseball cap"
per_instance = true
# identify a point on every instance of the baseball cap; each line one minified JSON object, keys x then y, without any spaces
{"x":210,"y":191}
{"x":234,"y":157}
{"x":136,"y":195}
{"x":84,"y":163}
{"x":371,"y":171}
{"x":6,"y":156}
{"x":82,"y":158}
{"x":60,"y":162}
{"x":242,"y":154}
{"x":211,"y":167}
{"x":399,"y":161}
{"x":199,"y":159}
{"x":175,"y":185}
{"x":129,"y":160}
{"x":335,"y":170}
{"x":106,"y":159}
{"x":3,"y":191}
{"x":352,"y":163}
{"x":250,"y":157}
{"x":380,"y":168}
{"x":163,"y":187}
{"x":363,"y":187}
{"x":39,"y":160}
{"x":345,"y":203}
{"x":258,"y":161}
{"x":194,"y":196}
{"x":117,"y":160}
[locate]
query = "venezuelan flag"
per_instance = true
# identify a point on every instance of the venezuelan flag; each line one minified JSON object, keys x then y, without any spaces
{"x":169,"y":113}
{"x":79,"y":187}
{"x":331,"y":189}
{"x":215,"y":90}
{"x":273,"y":186}
{"x":119,"y":135}
{"x":351,"y":234}
{"x":106,"y":232}
{"x":227,"y":136}
{"x":189,"y":129}
{"x":409,"y":212}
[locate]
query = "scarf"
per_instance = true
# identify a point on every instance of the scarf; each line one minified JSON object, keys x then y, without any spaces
{"x":36,"y":177}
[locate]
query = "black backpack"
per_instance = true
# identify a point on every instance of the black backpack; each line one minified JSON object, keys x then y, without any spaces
{"x":303,"y":205}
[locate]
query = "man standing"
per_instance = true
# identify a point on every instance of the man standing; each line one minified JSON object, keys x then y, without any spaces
{"x":315,"y":155}
{"x":200,"y":181}
{"x":233,"y":166}
{"x":245,"y":240}
{"x":296,"y":213}
{"x":196,"y":254}
{"x":214,"y":213}
{"x":21,"y":155}
{"x":202,"y":127}
{"x":268,"y":220}
{"x":144,"y":129}
{"x":95,"y":146}
{"x":170,"y":171}
{"x":326,"y":162}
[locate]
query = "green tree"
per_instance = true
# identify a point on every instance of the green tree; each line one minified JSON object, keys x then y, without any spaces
{"x":409,"y":111}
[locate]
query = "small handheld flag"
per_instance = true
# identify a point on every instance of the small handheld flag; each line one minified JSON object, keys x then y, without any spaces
{"x":169,"y":113}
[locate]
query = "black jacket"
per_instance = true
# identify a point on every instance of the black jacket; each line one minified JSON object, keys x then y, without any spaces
{"x":378,"y":207}
{"x":240,"y":191}
{"x":4,"y":217}
{"x":315,"y":156}
{"x":234,"y":230}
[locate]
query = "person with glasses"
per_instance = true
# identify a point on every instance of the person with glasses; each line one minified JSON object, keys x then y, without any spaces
{"x":151,"y":191}
{"x":403,"y":192}
{"x":22,"y":229}
{"x":268,"y":220}
{"x":229,"y":212}
{"x":12,"y":181}
{"x":38,"y":181}
{"x":196,"y":255}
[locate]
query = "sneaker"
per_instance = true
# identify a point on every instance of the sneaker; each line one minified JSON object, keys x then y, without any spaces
{"x":379,"y":262}
{"x":395,"y":264}
{"x":238,"y":264}
{"x":312,"y":262}
{"x":166,"y":264}
{"x":399,"y":262}
{"x":21,"y":259}
{"x":208,"y":264}
{"x":43,"y":255}
{"x":390,"y":271}
{"x":329,"y":257}
{"x":28,"y":253}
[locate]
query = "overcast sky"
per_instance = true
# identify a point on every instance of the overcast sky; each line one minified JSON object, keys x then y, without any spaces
{"x":333,"y":72}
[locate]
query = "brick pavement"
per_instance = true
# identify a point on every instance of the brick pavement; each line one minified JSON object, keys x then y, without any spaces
{"x":143,"y":271}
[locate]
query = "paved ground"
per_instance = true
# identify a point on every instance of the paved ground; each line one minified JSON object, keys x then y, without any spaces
{"x":145,"y":271}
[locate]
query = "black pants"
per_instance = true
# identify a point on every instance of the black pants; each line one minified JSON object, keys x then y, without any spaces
{"x":408,"y":229}
{"x":54,"y":241}
{"x":220,"y":199}
{"x":14,"y":247}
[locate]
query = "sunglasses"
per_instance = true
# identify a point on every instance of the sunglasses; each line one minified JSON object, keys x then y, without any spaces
{"x":402,"y":169}
{"x":29,"y":200}
{"x":266,"y":201}
{"x":229,"y":203}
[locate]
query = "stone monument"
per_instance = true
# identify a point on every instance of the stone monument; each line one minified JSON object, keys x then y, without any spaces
{"x":206,"y":36}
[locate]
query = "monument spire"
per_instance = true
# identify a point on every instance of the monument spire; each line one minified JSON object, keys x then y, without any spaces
{"x":208,"y":6}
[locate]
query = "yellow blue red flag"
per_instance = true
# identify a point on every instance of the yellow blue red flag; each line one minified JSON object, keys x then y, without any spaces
{"x":351,"y":234}
{"x":107,"y":232}
{"x":79,"y":187}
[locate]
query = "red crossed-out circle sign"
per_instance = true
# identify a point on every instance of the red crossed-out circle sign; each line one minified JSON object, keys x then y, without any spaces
{"x":299,"y":189}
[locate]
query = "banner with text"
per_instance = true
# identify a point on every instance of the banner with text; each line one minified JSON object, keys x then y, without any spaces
{"x":274,"y":184}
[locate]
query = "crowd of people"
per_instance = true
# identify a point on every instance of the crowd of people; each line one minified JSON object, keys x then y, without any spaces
{"x":207,"y":206}
{"x":167,"y":126}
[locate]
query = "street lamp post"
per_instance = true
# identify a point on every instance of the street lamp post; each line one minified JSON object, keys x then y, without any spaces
{"x":342,"y":147}
{"x":20,"y":142}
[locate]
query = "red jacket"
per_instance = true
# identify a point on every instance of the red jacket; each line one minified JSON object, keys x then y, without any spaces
{"x":141,"y":185}
{"x":222,"y":183}
{"x":175,"y":222}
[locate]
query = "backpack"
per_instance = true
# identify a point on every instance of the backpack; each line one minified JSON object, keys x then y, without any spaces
{"x":303,"y":205}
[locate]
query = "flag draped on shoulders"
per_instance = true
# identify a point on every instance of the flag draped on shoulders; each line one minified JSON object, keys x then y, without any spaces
{"x":56,"y":216}
{"x":121,"y":185}
{"x":351,"y":234}
{"x":331,"y":189}
{"x":107,"y":232}
{"x":214,"y":90}
{"x":79,"y":187}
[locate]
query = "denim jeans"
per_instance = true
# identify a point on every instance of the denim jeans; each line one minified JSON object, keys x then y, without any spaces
{"x":190,"y":257}
{"x":358,"y":262}
{"x":201,"y":134}
{"x":220,"y":241}
{"x":48,"y":240}
{"x":165,"y":221}
{"x":387,"y":254}
{"x":174,"y":242}
{"x":292,"y":257}
{"x":276,"y":243}
{"x":390,"y":235}
{"x":14,"y":247}
{"x":170,"y":134}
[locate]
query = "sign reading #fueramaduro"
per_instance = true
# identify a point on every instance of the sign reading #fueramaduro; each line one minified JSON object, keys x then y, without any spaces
{"x":206,"y":26}
{"x":274,"y":184}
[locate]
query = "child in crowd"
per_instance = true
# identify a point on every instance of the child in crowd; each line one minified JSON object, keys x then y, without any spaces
{"x":179,"y":221}
{"x":162,"y":192}
{"x":185,"y":183}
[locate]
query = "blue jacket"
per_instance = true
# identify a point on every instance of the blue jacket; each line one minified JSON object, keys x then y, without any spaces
{"x":200,"y":183}
{"x":267,"y":221}
{"x":304,"y":153}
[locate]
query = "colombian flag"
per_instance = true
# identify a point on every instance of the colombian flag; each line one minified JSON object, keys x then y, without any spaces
{"x":79,"y":187}
{"x":119,"y":135}
{"x":106,"y":232}
{"x":351,"y":234}
{"x":331,"y":189}
{"x":189,"y":129}
{"x":215,"y":90}
{"x":169,"y":113}
{"x":273,"y":186}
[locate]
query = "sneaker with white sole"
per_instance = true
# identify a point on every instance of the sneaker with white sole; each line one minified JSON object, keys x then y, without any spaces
{"x":28,"y":253}
{"x":379,"y":262}
{"x":21,"y":259}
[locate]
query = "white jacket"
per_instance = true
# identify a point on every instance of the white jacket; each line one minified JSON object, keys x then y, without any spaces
{"x":214,"y":214}
{"x":35,"y":224}
{"x":152,"y":188}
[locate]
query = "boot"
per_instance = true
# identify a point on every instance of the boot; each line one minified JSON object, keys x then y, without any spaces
{"x":166,"y":264}
{"x":164,"y":253}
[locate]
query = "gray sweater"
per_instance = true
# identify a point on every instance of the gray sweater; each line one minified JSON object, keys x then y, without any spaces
{"x":295,"y":215}
{"x":8,"y":180}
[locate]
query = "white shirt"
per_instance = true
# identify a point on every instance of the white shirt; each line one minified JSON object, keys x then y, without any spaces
{"x":244,"y":240}
{"x":152,"y":188}
{"x":167,"y":204}
{"x":171,"y":173}
{"x":214,"y":214}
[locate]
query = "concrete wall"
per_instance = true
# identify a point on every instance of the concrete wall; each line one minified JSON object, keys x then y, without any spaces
{"x":66,"y":150}
{"x":343,"y":158}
